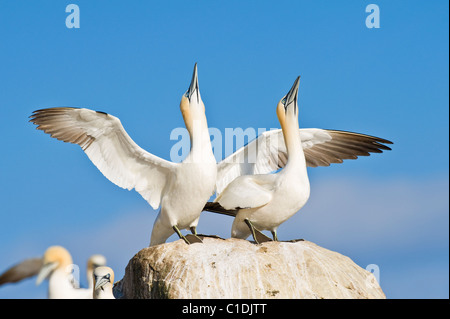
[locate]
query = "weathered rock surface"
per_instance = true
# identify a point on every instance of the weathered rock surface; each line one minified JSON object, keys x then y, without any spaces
{"x":236,"y":268}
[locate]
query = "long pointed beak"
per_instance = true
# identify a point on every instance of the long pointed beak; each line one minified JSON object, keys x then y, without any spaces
{"x":101,"y":282}
{"x":194,"y":84}
{"x":45,"y":272}
{"x":291,"y":96}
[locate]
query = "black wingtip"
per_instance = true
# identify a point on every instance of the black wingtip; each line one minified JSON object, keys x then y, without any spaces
{"x":214,"y":207}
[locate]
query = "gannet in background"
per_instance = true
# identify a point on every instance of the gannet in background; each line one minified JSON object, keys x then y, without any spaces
{"x":93,"y":262}
{"x":34,"y":266}
{"x":262,"y":201}
{"x":57,"y":267}
{"x":103,"y":278}
{"x":182,"y":189}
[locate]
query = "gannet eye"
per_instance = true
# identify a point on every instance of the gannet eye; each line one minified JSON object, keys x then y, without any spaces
{"x":107,"y":276}
{"x":283,"y":101}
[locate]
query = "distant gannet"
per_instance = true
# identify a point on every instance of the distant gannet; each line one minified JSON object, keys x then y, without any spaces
{"x":262,"y":201}
{"x":57,"y":267}
{"x":103,"y":278}
{"x":93,"y":262}
{"x":32,"y":267}
{"x":182,"y":189}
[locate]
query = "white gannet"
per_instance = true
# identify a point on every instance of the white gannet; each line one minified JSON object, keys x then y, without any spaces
{"x":262,"y":201}
{"x":32,"y":266}
{"x":94,"y":261}
{"x":181,"y":189}
{"x":57,"y":267}
{"x":103,"y":278}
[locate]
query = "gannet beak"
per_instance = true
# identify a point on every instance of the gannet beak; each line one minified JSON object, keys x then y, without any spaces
{"x":291,"y":96}
{"x":194,"y":85}
{"x":100,"y":282}
{"x":45,"y":271}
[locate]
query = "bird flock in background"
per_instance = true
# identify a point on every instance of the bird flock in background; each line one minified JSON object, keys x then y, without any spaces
{"x":261,"y":185}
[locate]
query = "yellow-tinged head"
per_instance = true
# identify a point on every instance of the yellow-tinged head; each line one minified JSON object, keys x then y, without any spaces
{"x":103,"y":276}
{"x":287,"y":108}
{"x":57,"y":254}
{"x":191,"y":102}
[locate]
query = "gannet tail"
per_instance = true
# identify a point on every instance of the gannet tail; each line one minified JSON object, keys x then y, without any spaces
{"x":218,"y":209}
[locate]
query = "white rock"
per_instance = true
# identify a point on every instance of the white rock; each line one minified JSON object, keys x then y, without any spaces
{"x":236,"y":268}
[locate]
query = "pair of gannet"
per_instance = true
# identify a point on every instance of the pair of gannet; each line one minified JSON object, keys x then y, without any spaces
{"x":260,"y":199}
{"x":183,"y":189}
{"x":56,"y":265}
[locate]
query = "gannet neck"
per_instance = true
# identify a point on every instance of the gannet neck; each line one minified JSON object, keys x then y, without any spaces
{"x":59,"y":284}
{"x":104,"y":293}
{"x":291,"y":136}
{"x":293,"y":142}
{"x":201,"y":149}
{"x":193,"y":112}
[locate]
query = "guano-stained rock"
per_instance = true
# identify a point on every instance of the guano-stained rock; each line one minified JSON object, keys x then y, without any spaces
{"x":236,"y":268}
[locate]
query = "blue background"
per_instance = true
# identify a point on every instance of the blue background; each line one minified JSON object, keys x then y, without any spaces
{"x":134,"y":59}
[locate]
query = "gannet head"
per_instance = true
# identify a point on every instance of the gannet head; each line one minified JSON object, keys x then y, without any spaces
{"x":191,"y":102}
{"x":55,"y":257}
{"x":103,"y":278}
{"x":96,"y":261}
{"x":287,"y":108}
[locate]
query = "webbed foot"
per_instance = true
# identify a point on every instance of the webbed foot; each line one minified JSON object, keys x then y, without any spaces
{"x":188,"y":239}
{"x":257,"y":235}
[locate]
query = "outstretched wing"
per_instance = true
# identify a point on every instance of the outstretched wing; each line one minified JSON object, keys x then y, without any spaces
{"x":267,"y":153}
{"x":106,"y":143}
{"x":27,"y":268}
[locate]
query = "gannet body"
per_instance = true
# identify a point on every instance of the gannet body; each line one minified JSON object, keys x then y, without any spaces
{"x":181,"y":189}
{"x":264,"y":201}
{"x":259,"y":199}
{"x":103,"y":278}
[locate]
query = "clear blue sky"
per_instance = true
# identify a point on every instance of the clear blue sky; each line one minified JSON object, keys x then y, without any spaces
{"x":134,"y":59}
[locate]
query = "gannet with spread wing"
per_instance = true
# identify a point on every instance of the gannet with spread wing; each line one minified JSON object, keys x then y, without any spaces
{"x":56,"y":266}
{"x":181,"y":189}
{"x":41,"y":265}
{"x":260,"y":200}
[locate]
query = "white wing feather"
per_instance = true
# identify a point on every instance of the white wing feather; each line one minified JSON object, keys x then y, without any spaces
{"x":109,"y":147}
{"x":248,"y":191}
{"x":267,"y":153}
